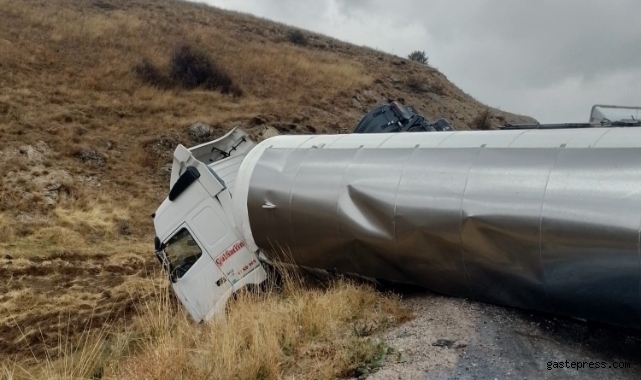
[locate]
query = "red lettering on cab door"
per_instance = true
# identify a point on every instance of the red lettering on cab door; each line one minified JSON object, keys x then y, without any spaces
{"x":229,"y":252}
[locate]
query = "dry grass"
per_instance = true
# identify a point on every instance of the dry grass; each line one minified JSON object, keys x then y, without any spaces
{"x":297,"y":331}
{"x":42,"y":298}
{"x":7,"y":228}
{"x":123,"y":37}
{"x":95,"y":218}
{"x":75,"y":227}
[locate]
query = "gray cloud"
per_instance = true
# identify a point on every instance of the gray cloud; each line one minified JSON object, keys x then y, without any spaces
{"x":551,"y":59}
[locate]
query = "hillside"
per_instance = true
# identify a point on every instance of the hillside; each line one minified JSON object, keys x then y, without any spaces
{"x":85,"y":136}
{"x":78,"y":124}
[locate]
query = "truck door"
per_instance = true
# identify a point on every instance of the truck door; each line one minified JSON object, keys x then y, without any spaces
{"x":196,"y":280}
{"x":192,"y":249}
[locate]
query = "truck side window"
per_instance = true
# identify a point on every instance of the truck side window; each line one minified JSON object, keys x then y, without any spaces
{"x":182,"y":252}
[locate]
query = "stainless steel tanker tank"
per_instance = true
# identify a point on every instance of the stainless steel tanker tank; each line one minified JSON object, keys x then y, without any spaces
{"x":547,"y":220}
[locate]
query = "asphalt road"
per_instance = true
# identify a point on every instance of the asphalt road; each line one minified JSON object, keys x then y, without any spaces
{"x":454,"y":338}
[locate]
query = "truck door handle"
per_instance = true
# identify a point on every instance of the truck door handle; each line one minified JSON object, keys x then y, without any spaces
{"x":269,"y":206}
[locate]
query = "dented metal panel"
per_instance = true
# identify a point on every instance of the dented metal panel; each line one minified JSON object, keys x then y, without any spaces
{"x":544,"y":220}
{"x":315,"y":194}
{"x":500,"y":226}
{"x":428,"y":237}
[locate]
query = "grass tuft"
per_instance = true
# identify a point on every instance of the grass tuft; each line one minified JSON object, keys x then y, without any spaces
{"x":483,"y":121}
{"x":151,"y":74}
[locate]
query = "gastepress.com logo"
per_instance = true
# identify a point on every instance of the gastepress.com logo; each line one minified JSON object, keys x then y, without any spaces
{"x":552,"y":365}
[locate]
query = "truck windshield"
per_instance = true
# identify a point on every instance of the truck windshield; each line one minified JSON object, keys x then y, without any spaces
{"x":615,"y":113}
{"x":182,"y":251}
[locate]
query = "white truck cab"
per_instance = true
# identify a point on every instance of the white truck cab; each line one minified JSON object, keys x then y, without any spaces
{"x":196,"y":236}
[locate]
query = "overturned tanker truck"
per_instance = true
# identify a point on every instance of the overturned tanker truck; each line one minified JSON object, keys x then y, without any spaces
{"x":547,"y":219}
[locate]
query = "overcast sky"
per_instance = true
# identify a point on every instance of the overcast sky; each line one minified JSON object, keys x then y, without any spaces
{"x":550,"y":59}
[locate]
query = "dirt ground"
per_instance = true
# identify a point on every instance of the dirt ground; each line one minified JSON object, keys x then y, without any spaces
{"x":453,"y":338}
{"x":46,"y":302}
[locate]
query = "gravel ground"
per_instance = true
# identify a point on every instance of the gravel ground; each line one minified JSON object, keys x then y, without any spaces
{"x":453,"y":338}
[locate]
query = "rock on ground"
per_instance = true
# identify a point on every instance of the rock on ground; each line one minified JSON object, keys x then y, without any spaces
{"x":269,"y":132}
{"x":200,"y":132}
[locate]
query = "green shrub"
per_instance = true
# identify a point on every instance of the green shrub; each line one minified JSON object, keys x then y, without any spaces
{"x":188,"y":68}
{"x":297,"y":38}
{"x":418,"y":56}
